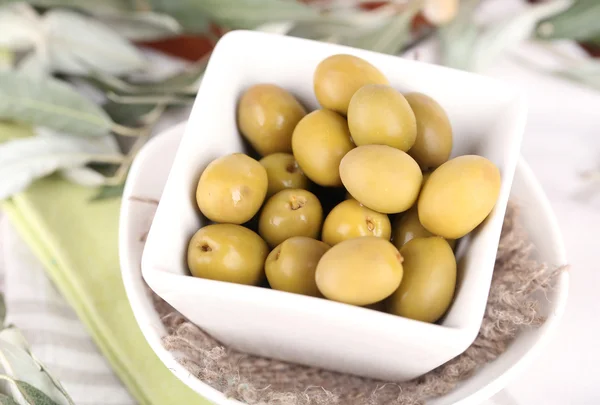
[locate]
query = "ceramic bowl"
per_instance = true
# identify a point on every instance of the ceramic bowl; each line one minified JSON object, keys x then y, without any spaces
{"x":145,"y":186}
{"x":488,"y":118}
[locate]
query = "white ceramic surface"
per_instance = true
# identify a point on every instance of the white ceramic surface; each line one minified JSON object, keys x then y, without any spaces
{"x":489,"y":117}
{"x":145,"y":185}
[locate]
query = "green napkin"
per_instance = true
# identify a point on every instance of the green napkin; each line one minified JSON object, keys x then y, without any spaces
{"x":76,"y":240}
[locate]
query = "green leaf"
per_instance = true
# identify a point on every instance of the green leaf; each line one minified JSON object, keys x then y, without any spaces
{"x":33,"y":395}
{"x":234,"y":13}
{"x":144,"y":26}
{"x":6,"y":400}
{"x":108,"y":192}
{"x":187,"y":12}
{"x":102,"y":6}
{"x":79,"y":43}
{"x":392,"y":37}
{"x":129,"y":115}
{"x":502,"y":35}
{"x":45,"y":101}
{"x":581,"y":22}
{"x":18,"y":365}
{"x":24,"y":160}
{"x":185,"y":82}
{"x":458,"y":37}
{"x":83,"y":176}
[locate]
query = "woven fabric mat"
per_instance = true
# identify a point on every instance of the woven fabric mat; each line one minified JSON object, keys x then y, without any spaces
{"x":512,"y":305}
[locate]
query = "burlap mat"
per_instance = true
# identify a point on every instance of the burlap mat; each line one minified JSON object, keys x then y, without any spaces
{"x":254,"y":380}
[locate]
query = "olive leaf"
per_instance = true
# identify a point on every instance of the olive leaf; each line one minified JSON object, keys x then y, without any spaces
{"x":142,"y":26}
{"x":392,"y":37}
{"x":83,"y":176}
{"x":458,"y":37}
{"x":109,"y":192}
{"x":77,"y":42}
{"x":233,"y":13}
{"x":6,"y":400}
{"x":23,"y":372}
{"x":344,"y":23}
{"x":20,"y":26}
{"x":581,"y":21}
{"x":103,"y":6}
{"x":24,"y":160}
{"x":500,"y":36}
{"x":33,"y":395}
{"x":52,"y":103}
{"x":130,"y":115}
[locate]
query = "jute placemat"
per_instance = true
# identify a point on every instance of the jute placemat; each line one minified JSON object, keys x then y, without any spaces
{"x":511,"y":306}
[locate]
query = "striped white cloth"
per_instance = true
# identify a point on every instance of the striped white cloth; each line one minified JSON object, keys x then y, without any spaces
{"x":52,"y":328}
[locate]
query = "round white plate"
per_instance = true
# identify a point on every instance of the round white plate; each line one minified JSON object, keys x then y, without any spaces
{"x":143,"y":190}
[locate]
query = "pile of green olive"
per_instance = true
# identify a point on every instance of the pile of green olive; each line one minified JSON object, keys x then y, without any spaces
{"x":356,"y":202}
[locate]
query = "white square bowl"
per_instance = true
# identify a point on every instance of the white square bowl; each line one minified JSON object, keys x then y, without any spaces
{"x":488,"y":118}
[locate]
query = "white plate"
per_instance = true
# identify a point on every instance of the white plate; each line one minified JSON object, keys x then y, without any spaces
{"x":146,"y":182}
{"x":488,"y":118}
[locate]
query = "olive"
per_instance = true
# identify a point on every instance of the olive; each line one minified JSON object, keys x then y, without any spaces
{"x":429,"y":280}
{"x":407,"y":227}
{"x":267,"y":116}
{"x":382,"y":178}
{"x":338,"y":77}
{"x":227,"y":252}
{"x":232,"y":189}
{"x":290,"y":212}
{"x":320,"y":141}
{"x":434,"y":132}
{"x":291,"y":265}
{"x":359,"y":271}
{"x":459,"y":195}
{"x":283,"y":172}
{"x":379,"y":114}
{"x":350,"y":219}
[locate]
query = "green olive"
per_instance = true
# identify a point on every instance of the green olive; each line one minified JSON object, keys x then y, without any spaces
{"x":382,"y":178}
{"x":227,"y":252}
{"x":291,"y":266}
{"x":290,"y":212}
{"x":267,"y":116}
{"x":434,"y":132}
{"x":283,"y":172}
{"x":380,"y":115}
{"x":338,"y":77}
{"x":359,"y":271}
{"x":427,"y":287}
{"x":232,"y":189}
{"x":350,"y":219}
{"x":407,"y":227}
{"x":320,"y":141}
{"x":459,"y":195}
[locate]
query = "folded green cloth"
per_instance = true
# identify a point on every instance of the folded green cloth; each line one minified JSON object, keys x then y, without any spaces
{"x":76,"y":240}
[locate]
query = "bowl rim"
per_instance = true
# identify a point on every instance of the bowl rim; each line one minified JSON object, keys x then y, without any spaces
{"x":151,"y":326}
